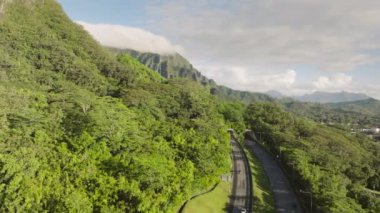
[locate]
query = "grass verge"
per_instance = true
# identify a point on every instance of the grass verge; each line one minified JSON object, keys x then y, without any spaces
{"x":214,"y":201}
{"x":263,"y":199}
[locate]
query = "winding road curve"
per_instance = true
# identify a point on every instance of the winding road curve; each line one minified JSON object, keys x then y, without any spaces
{"x":286,"y":200}
{"x":241,"y":189}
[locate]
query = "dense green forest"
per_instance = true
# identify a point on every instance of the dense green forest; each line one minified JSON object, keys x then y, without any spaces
{"x":339,"y":169}
{"x":84,"y":131}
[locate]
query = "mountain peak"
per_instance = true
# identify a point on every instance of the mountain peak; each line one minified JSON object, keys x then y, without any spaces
{"x":169,"y":65}
{"x":275,"y":94}
{"x":176,"y":66}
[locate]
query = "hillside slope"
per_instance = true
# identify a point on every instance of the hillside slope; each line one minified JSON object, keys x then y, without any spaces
{"x":84,"y":131}
{"x":368,"y":106}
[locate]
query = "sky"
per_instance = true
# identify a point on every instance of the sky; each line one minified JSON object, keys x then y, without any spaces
{"x":292,"y":46}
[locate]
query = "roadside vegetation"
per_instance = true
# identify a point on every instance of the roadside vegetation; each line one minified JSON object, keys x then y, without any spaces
{"x":332,"y":164}
{"x":263,"y":198}
{"x":212,"y":202}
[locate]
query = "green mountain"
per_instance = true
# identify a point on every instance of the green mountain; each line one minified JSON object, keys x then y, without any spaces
{"x":176,"y":66}
{"x":84,"y":131}
{"x":368,"y":106}
{"x":170,"y":66}
{"x":327,"y":97}
{"x":275,"y":94}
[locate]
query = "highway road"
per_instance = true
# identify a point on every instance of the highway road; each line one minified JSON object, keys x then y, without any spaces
{"x":285,"y":198}
{"x":241,"y":188}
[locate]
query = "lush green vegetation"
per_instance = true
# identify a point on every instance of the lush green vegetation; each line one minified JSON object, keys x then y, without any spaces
{"x":321,"y":151}
{"x":84,"y":131}
{"x":369,"y":106}
{"x":334,"y":165}
{"x":350,"y":115}
{"x":213,"y":202}
{"x":233,"y":115}
{"x":263,"y":198}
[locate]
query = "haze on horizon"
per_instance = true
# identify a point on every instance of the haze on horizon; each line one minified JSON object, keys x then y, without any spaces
{"x":292,"y":46}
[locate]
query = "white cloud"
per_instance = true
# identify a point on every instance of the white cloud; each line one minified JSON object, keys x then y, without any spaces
{"x":123,"y":37}
{"x":333,"y":35}
{"x":286,"y":79}
{"x":340,"y":36}
{"x":250,"y":79}
{"x":248,"y":44}
{"x":335,"y":82}
{"x":371,"y":90}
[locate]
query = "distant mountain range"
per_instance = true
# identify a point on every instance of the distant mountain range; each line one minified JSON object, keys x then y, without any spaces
{"x":176,"y":66}
{"x":326,"y":107}
{"x":327,"y":97}
{"x":275,"y":94}
{"x":362,"y":112}
{"x":369,"y":106}
{"x":322,"y":97}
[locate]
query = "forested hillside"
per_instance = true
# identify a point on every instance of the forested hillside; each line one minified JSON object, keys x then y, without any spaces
{"x":369,"y":106}
{"x":339,"y":169}
{"x":84,"y":131}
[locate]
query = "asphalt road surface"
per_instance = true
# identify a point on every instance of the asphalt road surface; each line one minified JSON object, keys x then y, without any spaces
{"x":285,"y":198}
{"x":241,"y":189}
